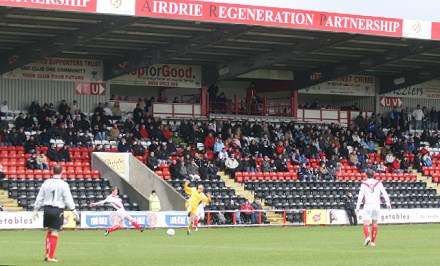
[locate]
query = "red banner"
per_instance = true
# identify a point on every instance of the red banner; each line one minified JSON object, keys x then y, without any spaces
{"x":268,"y":16}
{"x":66,"y":5}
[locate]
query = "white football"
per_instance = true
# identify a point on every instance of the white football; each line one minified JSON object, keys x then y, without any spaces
{"x":170,"y":232}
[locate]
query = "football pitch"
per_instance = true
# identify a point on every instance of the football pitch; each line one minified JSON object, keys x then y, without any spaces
{"x":396,"y":245}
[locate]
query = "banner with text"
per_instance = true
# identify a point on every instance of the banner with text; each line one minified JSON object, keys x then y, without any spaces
{"x":143,"y":218}
{"x":353,"y":85}
{"x":66,"y":5}
{"x":60,"y":69}
{"x":394,"y":216}
{"x":164,"y":75}
{"x":427,"y":90}
{"x":118,"y":162}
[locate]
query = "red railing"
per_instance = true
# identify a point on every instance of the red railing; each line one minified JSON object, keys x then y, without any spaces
{"x":284,"y":214}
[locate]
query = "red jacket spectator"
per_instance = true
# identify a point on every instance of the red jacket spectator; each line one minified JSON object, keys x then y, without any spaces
{"x":396,"y":165}
{"x":247,"y":208}
{"x":209,"y":141}
{"x":144,"y":133}
{"x":166,"y":133}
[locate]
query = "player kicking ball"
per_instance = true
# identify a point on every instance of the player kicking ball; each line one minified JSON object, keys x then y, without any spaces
{"x":369,"y":193}
{"x":195,"y":197}
{"x":116,"y":202}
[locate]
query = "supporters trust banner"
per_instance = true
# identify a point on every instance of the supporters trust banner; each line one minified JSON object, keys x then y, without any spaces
{"x":60,"y":69}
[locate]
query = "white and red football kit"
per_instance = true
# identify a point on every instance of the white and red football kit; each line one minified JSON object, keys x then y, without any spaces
{"x":116,"y":203}
{"x":369,"y":193}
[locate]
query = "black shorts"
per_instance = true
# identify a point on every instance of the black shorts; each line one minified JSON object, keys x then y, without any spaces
{"x":53,"y":217}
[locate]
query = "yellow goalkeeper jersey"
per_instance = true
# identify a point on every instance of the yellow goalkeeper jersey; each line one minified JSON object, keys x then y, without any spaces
{"x":195,"y":197}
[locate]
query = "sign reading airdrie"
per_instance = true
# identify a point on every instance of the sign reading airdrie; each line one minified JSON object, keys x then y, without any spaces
{"x":299,"y":14}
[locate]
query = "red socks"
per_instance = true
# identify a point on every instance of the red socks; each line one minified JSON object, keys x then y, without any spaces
{"x":196,"y":222}
{"x":53,"y":245}
{"x":366,"y":231}
{"x":114,"y":228}
{"x":48,"y":242}
{"x":373,"y":237}
{"x":136,"y":225}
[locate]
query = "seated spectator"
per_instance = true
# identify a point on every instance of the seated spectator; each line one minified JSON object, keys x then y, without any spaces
{"x":124,"y":146}
{"x":171,"y":148}
{"x":219,"y":216}
{"x":281,"y":164}
{"x":246,"y":212}
{"x":183,"y":173}
{"x":138,"y":149}
{"x":114,"y":133}
{"x":404,"y":165}
{"x":255,"y":217}
{"x":21,"y":137}
{"x":218,"y":146}
{"x":2,"y":175}
{"x":53,"y":153}
{"x":265,"y":164}
{"x":304,"y":173}
{"x":324,"y":171}
{"x":175,"y":169}
{"x":232,"y":165}
{"x":221,"y":159}
{"x":212,"y":171}
{"x":316,"y":174}
{"x":31,"y":162}
{"x":426,"y":159}
{"x":332,"y":172}
{"x":30,"y":144}
{"x":176,"y":139}
{"x":153,"y":162}
{"x":102,"y":133}
{"x":64,"y":154}
{"x":42,"y":161}
{"x":354,"y":159}
{"x":193,"y":171}
{"x":143,"y":133}
{"x":233,"y":206}
{"x":296,"y":157}
{"x":396,"y":166}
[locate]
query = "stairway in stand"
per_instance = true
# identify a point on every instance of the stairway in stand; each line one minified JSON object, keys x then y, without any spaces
{"x":240,"y":191}
{"x":8,"y":203}
{"x":428,"y":180}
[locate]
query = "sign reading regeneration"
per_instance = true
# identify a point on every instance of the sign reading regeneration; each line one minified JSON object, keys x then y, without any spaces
{"x":164,"y":75}
{"x":60,"y":69}
{"x":353,"y":85}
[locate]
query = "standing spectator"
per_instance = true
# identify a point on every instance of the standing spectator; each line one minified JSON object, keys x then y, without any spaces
{"x":54,"y":195}
{"x":116,"y":111}
{"x":434,"y":115}
{"x":219,"y":215}
{"x":218,"y":146}
{"x":209,"y":141}
{"x":418,"y":117}
{"x":221,"y":159}
{"x":154,"y":202}
{"x":4,"y":109}
{"x":42,"y":161}
{"x":349,"y":207}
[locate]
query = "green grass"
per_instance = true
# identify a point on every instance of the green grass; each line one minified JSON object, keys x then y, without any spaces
{"x":396,"y":245}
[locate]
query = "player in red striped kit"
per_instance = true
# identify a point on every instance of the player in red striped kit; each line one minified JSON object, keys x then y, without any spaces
{"x":369,"y":193}
{"x":116,"y":202}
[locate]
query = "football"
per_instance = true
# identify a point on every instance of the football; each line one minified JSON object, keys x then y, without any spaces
{"x":170,"y":232}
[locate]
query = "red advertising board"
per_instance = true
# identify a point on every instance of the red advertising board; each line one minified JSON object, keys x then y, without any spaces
{"x":70,"y":5}
{"x":86,"y":88}
{"x":391,"y":101}
{"x":435,"y":35}
{"x":268,"y":16}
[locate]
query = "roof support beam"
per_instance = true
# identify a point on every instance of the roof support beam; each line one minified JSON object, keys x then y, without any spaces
{"x":242,"y":66}
{"x":32,"y":52}
{"x":408,"y":78}
{"x":319,"y":75}
{"x":122,"y":66}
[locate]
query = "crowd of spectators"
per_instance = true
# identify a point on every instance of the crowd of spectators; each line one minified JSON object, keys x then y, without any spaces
{"x":239,"y":146}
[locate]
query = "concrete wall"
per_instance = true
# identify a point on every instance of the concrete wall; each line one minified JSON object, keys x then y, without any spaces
{"x":140,"y":183}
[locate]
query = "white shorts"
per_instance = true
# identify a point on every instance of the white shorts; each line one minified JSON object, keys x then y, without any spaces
{"x":200,"y":211}
{"x":371,"y":212}
{"x":121,"y":214}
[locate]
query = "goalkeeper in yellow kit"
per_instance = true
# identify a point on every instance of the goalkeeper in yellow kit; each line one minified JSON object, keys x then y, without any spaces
{"x":195,"y":197}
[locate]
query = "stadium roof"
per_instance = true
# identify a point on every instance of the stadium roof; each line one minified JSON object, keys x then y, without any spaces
{"x":225,"y":51}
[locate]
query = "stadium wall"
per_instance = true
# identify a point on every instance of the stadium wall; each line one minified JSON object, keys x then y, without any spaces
{"x":20,"y":93}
